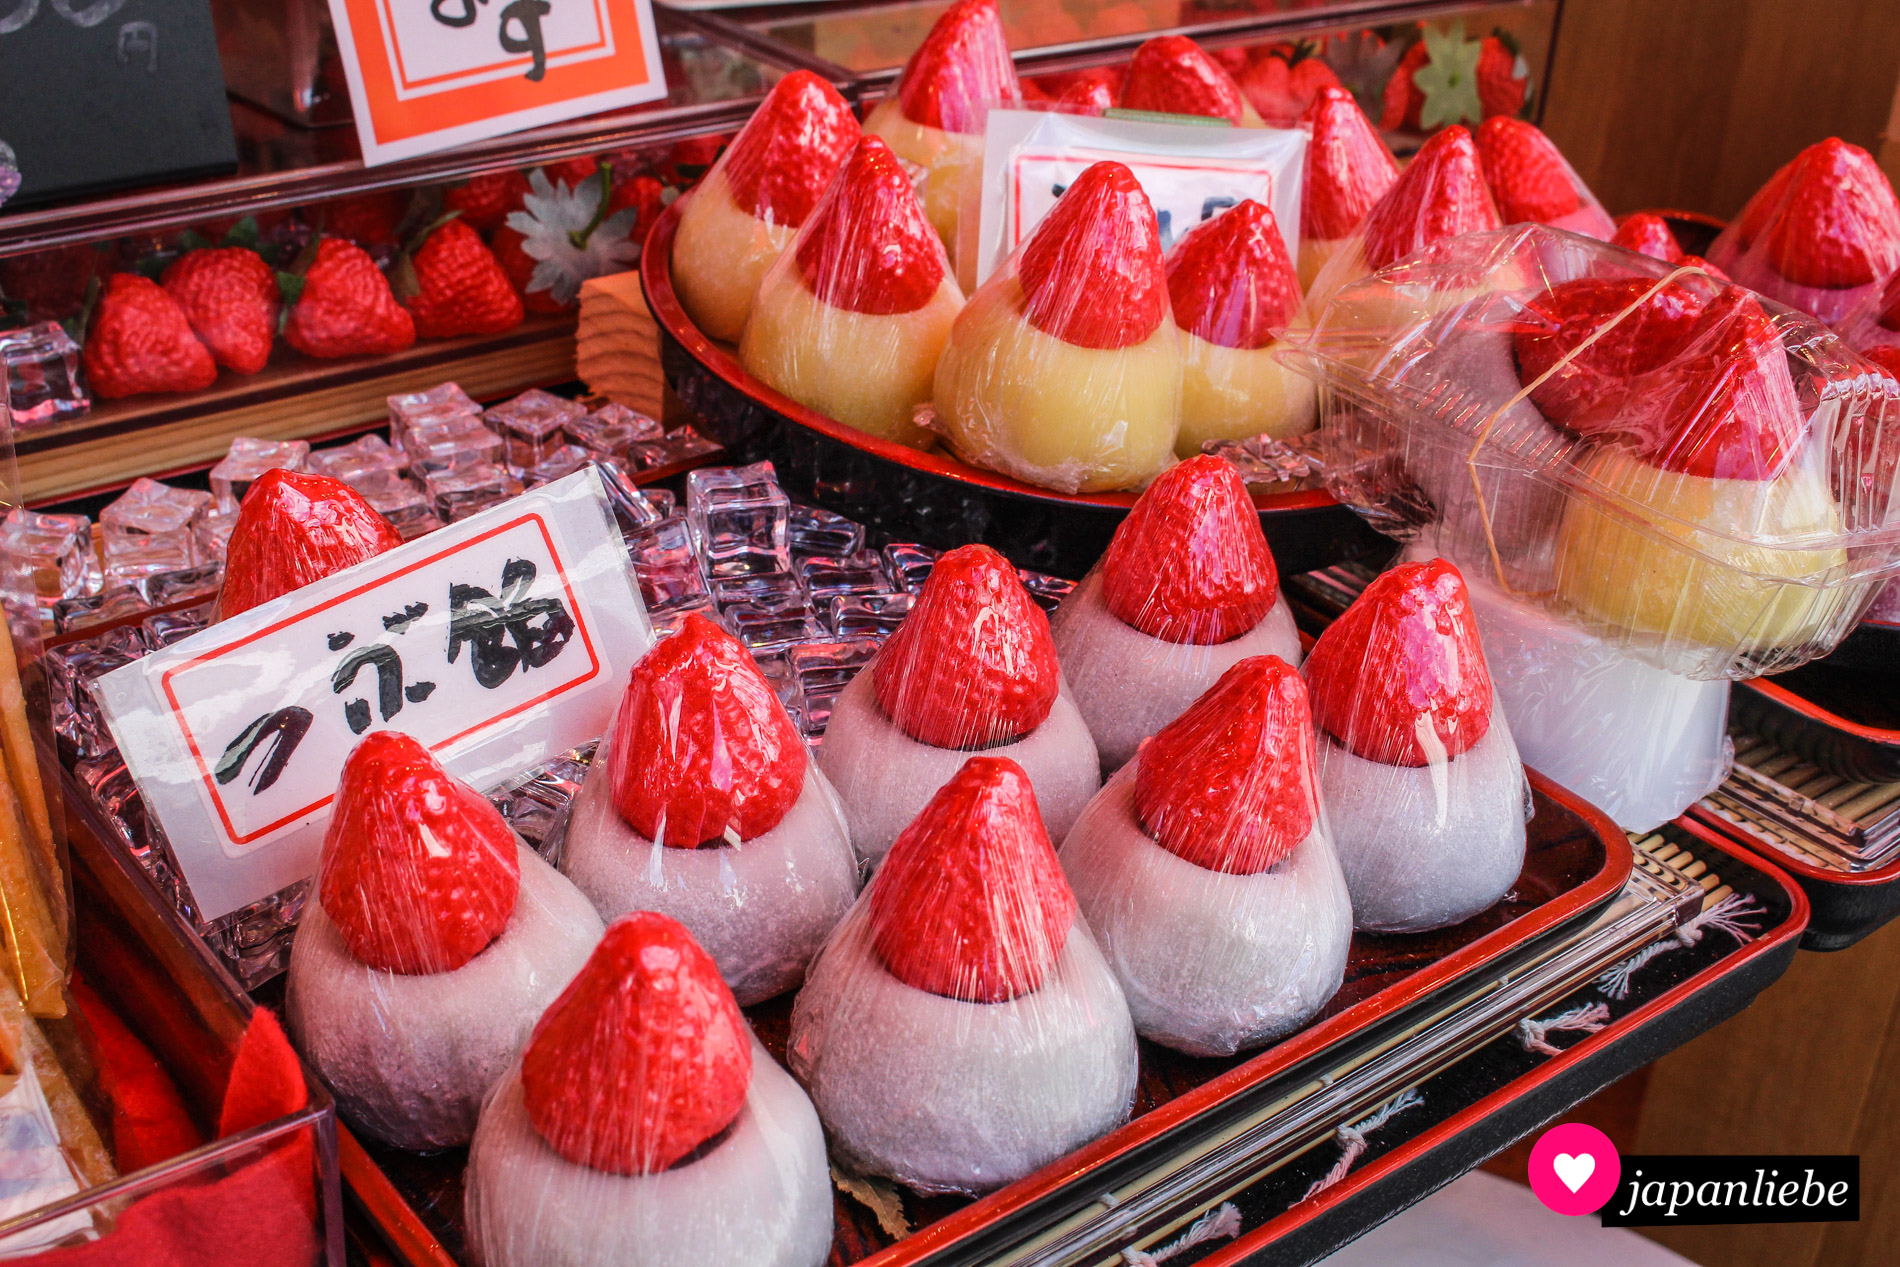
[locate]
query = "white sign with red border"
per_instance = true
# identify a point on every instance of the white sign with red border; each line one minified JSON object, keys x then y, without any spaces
{"x":498,"y":642}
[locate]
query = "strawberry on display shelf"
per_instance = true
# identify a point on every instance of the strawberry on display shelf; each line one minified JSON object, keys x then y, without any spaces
{"x":344,"y":306}
{"x":703,"y":759}
{"x":645,"y":1124}
{"x":572,"y":172}
{"x":1445,"y":78}
{"x":563,"y":235}
{"x":1531,"y":183}
{"x":230,"y":297}
{"x":1417,"y":768}
{"x":1348,"y":169}
{"x":453,"y":285}
{"x":972,"y":668}
{"x":373,"y":219}
{"x":852,"y":322}
{"x":1649,"y":234}
{"x":295,"y":528}
{"x":1205,"y":869}
{"x":1090,"y":93}
{"x":52,"y":284}
{"x":139,"y":340}
{"x":1064,"y":369}
{"x":1171,"y":74}
{"x":1281,"y":90}
{"x":484,"y":201}
{"x":960,"y":1028}
{"x":432,"y":940}
{"x":1234,"y":291}
{"x":742,"y":216}
{"x":1187,"y":588}
{"x":1820,"y":235}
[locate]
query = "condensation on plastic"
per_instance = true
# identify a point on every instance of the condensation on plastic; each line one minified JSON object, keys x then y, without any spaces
{"x":1186,"y":589}
{"x":1819,"y":236}
{"x":1206,"y":870}
{"x":468,"y":936}
{"x":1422,"y":784}
{"x":644,"y":1123}
{"x":704,"y":804}
{"x":294,"y":528}
{"x":961,"y":1029}
{"x":1064,"y":369}
{"x":971,"y":669}
{"x":1234,"y":290}
{"x":1628,"y":520}
{"x":851,"y":320}
{"x":933,"y":117}
{"x":739,"y":219}
{"x":1512,"y":150}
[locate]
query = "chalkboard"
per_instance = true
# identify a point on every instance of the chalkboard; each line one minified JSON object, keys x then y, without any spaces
{"x":98,"y":95}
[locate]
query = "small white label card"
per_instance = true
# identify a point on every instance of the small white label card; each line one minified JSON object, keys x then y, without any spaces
{"x":498,"y":642}
{"x":426,"y":75}
{"x":1190,"y":173}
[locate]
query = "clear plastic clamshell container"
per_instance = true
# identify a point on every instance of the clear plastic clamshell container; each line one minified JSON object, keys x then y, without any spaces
{"x":1699,"y":476}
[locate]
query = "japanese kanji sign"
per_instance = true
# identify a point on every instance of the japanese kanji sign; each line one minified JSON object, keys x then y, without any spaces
{"x":498,"y":642}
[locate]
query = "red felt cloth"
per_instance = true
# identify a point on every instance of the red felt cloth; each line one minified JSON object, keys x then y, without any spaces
{"x":149,"y":1121}
{"x":262,"y":1214}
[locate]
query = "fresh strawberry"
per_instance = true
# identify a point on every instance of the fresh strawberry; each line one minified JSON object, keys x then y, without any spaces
{"x":141,"y":341}
{"x":691,"y":159}
{"x":230,"y":297}
{"x":1282,"y":93}
{"x":1696,"y":261}
{"x":1230,"y":280}
{"x":346,"y":307}
{"x":1174,"y":75}
{"x":703,"y":752}
{"x":419,"y":872}
{"x":572,"y":172}
{"x":962,"y":66}
{"x":1649,"y":234}
{"x":460,"y":287}
{"x":293,"y":529}
{"x":1348,"y":168}
{"x":643,"y":1058}
{"x":1725,"y":408}
{"x":1440,"y":194}
{"x":1229,"y":784}
{"x":365,"y":219}
{"x":1400,"y":678}
{"x":1090,"y":93}
{"x":1403,"y":101}
{"x":1232,"y":60}
{"x":645,"y":194}
{"x":1528,"y":178}
{"x":52,"y":284}
{"x":1190,"y":563}
{"x":1592,"y":390}
{"x":971,"y":903}
{"x":1092,"y":272}
{"x":781,"y":162}
{"x":1838,"y":223}
{"x":486,"y":200}
{"x":1503,"y":79}
{"x":518,"y":266}
{"x":973,"y":664}
{"x":869,"y":247}
{"x":1309,"y":77}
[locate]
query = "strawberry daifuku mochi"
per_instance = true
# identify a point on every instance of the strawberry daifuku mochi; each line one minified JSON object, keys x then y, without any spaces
{"x":1171,"y":74}
{"x":736,"y":222}
{"x":1532,"y":183}
{"x":645,"y":1124}
{"x":434,"y":940}
{"x":1187,"y":589}
{"x":702,"y":804}
{"x":1421,"y":782}
{"x":972,"y":668}
{"x":960,"y":1029}
{"x":295,"y":528}
{"x":1205,"y":870}
{"x":1348,"y":169}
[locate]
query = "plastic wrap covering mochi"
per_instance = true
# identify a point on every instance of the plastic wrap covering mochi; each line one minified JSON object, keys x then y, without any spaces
{"x":643,"y":1123}
{"x":1206,"y":871}
{"x":1348,"y":170}
{"x":436,"y":940}
{"x":1820,"y":236}
{"x":972,"y":668}
{"x":851,"y":320}
{"x":1532,"y":183}
{"x":738,"y":220}
{"x":1699,"y":477}
{"x":293,"y":528}
{"x":1064,"y":369}
{"x":1873,"y":327}
{"x":703,"y":804}
{"x":1423,"y":788}
{"x":961,"y":1028}
{"x":1440,"y":194}
{"x":1187,"y":589}
{"x":933,"y":117}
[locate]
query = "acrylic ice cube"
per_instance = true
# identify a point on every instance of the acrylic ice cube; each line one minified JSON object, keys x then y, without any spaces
{"x":42,"y":364}
{"x":812,"y":530}
{"x":55,"y":551}
{"x":739,"y":518}
{"x":249,"y":458}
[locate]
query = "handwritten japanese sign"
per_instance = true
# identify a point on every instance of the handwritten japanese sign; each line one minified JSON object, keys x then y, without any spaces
{"x":426,"y":75}
{"x":498,"y":642}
